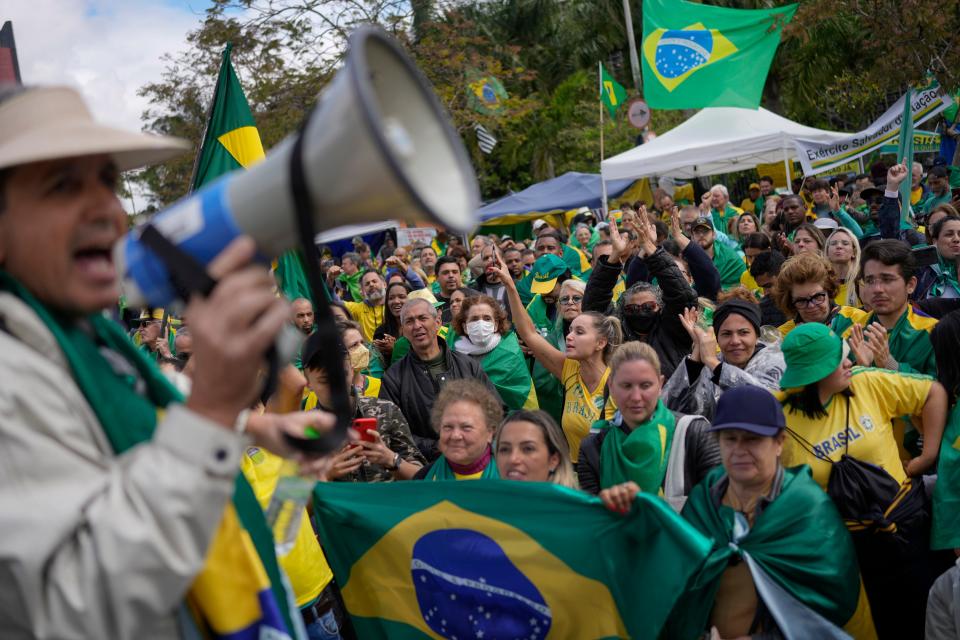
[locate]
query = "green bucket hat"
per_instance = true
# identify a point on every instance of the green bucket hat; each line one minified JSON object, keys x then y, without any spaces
{"x":546,"y":270}
{"x":812,"y":352}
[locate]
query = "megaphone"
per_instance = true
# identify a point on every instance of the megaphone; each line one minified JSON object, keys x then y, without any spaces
{"x":377,"y":145}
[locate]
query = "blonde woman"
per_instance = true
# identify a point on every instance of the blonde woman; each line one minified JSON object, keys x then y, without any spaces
{"x":843,"y":252}
{"x":531,"y":447}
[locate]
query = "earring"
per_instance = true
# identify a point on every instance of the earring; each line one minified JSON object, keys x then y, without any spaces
{"x":553,"y":471}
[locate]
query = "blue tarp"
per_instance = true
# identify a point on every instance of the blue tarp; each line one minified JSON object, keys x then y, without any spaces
{"x":570,"y":191}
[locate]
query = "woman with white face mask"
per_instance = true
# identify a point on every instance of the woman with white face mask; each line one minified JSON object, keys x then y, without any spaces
{"x":485,"y":334}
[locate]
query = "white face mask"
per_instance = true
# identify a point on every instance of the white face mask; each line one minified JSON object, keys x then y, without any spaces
{"x":480,"y":332}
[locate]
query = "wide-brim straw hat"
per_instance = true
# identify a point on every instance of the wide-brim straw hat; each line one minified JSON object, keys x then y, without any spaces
{"x":48,"y":123}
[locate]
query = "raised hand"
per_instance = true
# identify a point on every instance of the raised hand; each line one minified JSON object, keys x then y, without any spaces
{"x":834,"y":199}
{"x":620,"y":244}
{"x":689,"y":319}
{"x":895,"y":175}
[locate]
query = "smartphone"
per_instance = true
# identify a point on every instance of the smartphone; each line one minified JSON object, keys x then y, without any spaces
{"x":363,"y":427}
{"x":926,"y":256}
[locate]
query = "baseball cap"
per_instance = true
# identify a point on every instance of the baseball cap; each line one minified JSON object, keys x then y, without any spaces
{"x":546,"y":270}
{"x":812,"y":352}
{"x":539,"y":223}
{"x":749,"y":408}
{"x":424,"y":294}
{"x":147,"y":315}
{"x":47,"y":123}
{"x":702,"y":221}
{"x":826,"y":224}
{"x":753,"y":185}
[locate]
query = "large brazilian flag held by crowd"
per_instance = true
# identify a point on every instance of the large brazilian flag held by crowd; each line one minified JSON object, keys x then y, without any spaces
{"x":502,"y":559}
{"x":696,"y":55}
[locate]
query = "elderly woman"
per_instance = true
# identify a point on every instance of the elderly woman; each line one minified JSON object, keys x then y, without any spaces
{"x":485,"y":335}
{"x":805,"y":290}
{"x":645,"y":443}
{"x":841,"y":417}
{"x":843,"y":253}
{"x":782,"y":559}
{"x":704,"y":375}
{"x":531,"y":447}
{"x":464,"y":415}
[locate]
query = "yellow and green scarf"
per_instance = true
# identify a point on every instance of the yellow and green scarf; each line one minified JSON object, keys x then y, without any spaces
{"x":240,"y":591}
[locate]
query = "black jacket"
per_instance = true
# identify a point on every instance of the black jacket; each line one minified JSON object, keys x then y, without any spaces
{"x":702,"y":455}
{"x":668,"y":337}
{"x":408,"y":384}
{"x":706,"y":278}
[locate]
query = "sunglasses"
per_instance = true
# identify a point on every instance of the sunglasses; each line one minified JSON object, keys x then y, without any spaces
{"x":571,"y":299}
{"x":646,"y":307}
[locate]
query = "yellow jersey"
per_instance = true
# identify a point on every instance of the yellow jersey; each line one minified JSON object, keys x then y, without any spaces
{"x":369,"y":317}
{"x":878,"y":397}
{"x":305,"y":564}
{"x":581,"y":406}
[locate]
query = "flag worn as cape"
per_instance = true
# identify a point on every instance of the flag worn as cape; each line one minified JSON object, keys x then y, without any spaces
{"x":946,"y":493}
{"x":799,"y":545}
{"x":697,"y":55}
{"x":496,"y":559}
{"x":507,"y":370}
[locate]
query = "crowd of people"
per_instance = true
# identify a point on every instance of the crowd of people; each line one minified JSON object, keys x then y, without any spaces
{"x":783,"y":374}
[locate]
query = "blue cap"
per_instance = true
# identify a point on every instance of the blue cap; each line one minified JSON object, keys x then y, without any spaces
{"x":751,"y":409}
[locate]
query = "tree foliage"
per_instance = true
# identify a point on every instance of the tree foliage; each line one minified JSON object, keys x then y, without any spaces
{"x":841,"y":63}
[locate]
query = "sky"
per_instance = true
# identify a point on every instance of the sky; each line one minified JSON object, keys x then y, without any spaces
{"x":105,"y":48}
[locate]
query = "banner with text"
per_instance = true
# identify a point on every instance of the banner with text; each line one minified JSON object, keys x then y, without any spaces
{"x":817,"y":157}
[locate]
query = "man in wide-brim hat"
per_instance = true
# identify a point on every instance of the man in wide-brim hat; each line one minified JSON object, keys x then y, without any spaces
{"x":116,"y":493}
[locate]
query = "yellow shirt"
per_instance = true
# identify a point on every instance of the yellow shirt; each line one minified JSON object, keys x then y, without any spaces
{"x":747,"y":281}
{"x":369,"y":317}
{"x":879,"y":396}
{"x":305,"y":565}
{"x":581,"y":406}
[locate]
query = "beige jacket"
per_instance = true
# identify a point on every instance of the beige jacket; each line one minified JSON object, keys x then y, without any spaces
{"x":94,"y":545}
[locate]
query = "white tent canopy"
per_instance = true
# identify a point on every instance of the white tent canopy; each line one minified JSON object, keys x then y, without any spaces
{"x":714,"y":141}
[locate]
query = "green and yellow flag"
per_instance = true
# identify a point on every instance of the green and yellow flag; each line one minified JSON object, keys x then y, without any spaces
{"x":612,"y":93}
{"x":497,"y":559}
{"x":696,"y":55}
{"x":905,"y":154}
{"x":231,"y":140}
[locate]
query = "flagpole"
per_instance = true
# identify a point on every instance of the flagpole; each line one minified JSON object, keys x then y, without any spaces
{"x":603,"y":185}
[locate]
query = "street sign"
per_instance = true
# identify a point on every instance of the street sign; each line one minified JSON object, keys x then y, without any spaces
{"x":638,"y":113}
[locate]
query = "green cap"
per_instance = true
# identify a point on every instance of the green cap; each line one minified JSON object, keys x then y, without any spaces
{"x":546,"y":270}
{"x":812,"y":352}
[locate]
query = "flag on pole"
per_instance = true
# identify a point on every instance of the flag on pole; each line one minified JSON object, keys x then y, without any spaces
{"x":485,"y":93}
{"x":485,"y":139}
{"x":696,"y":55}
{"x":493,"y":559}
{"x":905,"y":154}
{"x":231,"y":140}
{"x":612,"y":93}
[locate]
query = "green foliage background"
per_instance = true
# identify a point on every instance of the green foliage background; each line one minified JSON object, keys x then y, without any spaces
{"x":841,"y":63}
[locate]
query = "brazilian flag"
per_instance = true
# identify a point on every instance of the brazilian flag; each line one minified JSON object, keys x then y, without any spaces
{"x":695,"y":55}
{"x":231,"y":140}
{"x":502,"y":559}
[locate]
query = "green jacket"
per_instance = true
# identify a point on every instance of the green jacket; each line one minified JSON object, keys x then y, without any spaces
{"x":730,"y":265}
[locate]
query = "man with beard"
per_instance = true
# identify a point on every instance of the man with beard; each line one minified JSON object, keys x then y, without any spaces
{"x":648,"y":313}
{"x":302,"y":315}
{"x":730,"y":265}
{"x":369,"y":313}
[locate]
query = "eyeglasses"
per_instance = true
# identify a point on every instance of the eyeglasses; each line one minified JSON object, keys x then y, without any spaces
{"x":883,"y":281}
{"x":813,"y":301}
{"x":646,"y":307}
{"x":571,"y":299}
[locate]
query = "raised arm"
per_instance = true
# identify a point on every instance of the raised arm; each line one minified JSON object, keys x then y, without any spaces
{"x":545,"y":353}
